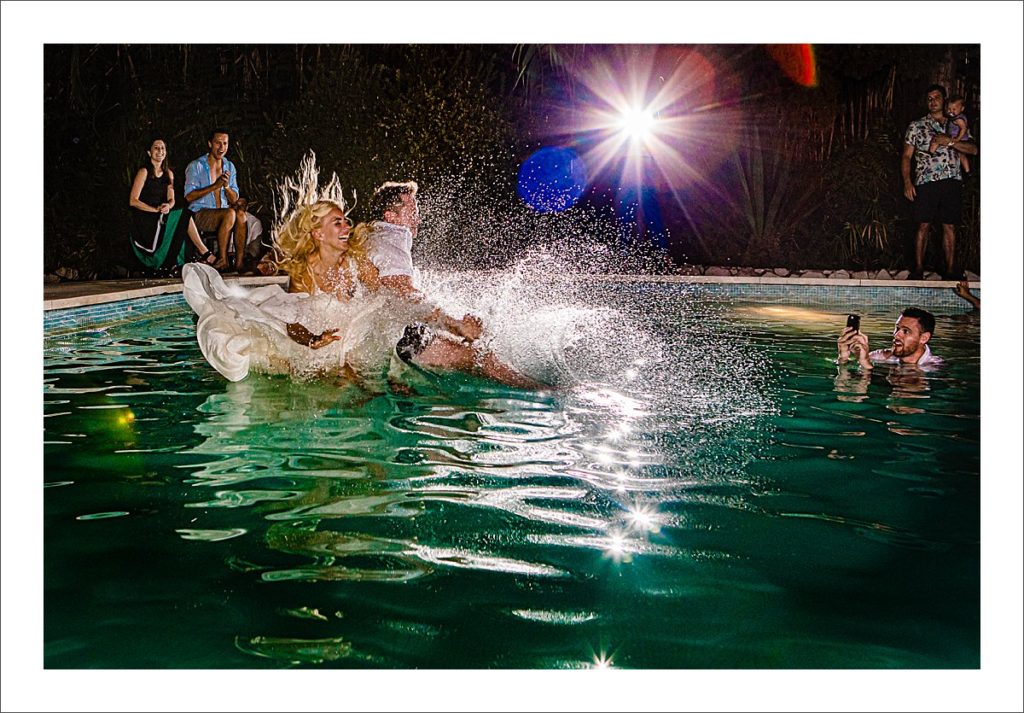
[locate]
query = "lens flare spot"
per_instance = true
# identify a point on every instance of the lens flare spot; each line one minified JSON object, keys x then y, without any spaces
{"x":797,"y":61}
{"x":552,"y":179}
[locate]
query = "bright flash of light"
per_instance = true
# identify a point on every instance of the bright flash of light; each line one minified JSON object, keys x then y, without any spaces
{"x":643,"y":517}
{"x":615,"y":548}
{"x":602,"y":655}
{"x":641,"y":117}
{"x":637,"y":124}
{"x":620,"y":431}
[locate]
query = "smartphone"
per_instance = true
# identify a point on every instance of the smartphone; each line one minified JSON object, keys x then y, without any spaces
{"x":853,"y":320}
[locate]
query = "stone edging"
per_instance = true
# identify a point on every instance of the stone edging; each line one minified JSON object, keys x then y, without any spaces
{"x":724,"y":271}
{"x":118,"y":295}
{"x":838,"y":278}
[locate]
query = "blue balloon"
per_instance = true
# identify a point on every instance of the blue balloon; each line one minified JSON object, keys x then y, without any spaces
{"x":552,"y":179}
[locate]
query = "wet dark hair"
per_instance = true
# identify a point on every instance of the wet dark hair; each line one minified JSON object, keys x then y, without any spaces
{"x":222,"y":130}
{"x":925,"y":318}
{"x":936,"y":88}
{"x":389,"y":197}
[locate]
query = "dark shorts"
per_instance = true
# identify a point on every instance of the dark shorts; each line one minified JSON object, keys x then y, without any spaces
{"x":938,"y":201}
{"x":416,"y":338}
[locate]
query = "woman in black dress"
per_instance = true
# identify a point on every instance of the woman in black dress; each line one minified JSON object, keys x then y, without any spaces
{"x":158,"y":230}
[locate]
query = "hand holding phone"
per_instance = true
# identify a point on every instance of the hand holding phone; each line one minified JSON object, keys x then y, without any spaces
{"x":853,"y":322}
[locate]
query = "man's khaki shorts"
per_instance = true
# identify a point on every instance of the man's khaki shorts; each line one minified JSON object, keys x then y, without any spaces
{"x":209,"y":218}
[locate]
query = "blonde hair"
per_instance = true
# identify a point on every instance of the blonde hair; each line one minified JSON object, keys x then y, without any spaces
{"x":303,"y":205}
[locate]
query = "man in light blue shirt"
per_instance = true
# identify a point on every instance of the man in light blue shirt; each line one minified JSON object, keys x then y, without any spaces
{"x":211,"y":188}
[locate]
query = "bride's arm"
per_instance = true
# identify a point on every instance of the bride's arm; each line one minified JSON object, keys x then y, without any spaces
{"x":301,"y":335}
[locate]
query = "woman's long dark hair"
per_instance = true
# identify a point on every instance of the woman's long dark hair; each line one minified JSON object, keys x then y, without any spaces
{"x":148,"y":162}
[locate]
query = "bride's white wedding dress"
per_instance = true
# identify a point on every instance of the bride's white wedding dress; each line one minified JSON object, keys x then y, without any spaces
{"x":246,"y":329}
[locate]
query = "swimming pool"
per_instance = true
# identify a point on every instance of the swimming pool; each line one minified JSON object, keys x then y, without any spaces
{"x":707,"y":491}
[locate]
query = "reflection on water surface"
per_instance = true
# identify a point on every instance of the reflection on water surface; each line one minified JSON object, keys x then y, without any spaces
{"x":704,"y":489}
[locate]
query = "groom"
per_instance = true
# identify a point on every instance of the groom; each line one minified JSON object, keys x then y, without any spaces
{"x":394,"y":219}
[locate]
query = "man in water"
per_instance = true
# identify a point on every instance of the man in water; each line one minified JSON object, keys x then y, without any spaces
{"x":910,"y":338}
{"x":211,"y":188}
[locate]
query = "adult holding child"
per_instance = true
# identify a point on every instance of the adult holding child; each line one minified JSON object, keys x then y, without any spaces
{"x":158,"y":229}
{"x":936,"y":187}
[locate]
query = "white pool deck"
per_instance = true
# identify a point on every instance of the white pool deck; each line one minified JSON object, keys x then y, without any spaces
{"x":66,"y":295}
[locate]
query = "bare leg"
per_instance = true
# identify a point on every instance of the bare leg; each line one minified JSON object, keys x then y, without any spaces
{"x":197,"y":240}
{"x":949,"y":245}
{"x":227,"y":222}
{"x":497,"y":370}
{"x":922,"y":240}
{"x":444,"y":353}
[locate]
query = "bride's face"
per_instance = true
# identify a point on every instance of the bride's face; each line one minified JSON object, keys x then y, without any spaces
{"x":334,"y":230}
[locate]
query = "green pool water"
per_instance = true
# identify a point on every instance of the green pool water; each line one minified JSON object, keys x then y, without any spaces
{"x":704,"y":490}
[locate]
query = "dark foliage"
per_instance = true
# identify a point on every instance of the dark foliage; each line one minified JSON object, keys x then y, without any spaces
{"x":813,"y":178}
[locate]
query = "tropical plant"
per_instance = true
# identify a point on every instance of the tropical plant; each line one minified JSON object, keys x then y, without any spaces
{"x":862,"y":190}
{"x":771,"y":197}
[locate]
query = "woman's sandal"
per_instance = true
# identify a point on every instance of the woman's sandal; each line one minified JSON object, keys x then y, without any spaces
{"x":205,"y":257}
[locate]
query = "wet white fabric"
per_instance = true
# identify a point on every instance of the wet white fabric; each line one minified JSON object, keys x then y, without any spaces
{"x":886,"y":356}
{"x":389,"y":248}
{"x":244,"y":329}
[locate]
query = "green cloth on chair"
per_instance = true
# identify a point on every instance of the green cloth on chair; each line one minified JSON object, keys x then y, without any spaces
{"x":159,"y":240}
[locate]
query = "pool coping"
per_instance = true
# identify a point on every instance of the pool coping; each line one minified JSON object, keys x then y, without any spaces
{"x":116,"y":294}
{"x":159,"y":287}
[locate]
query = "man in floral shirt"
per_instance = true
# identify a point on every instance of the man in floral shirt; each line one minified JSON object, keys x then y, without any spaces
{"x":935,"y":190}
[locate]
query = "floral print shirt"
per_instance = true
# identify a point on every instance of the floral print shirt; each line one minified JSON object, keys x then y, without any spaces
{"x":943,"y":164}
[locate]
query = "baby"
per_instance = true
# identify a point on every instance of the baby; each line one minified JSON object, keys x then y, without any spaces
{"x":956,"y":127}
